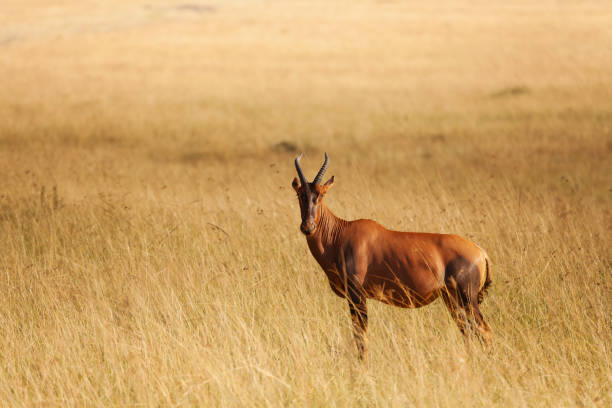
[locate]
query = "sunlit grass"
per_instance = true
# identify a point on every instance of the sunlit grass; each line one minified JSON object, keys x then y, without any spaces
{"x":149,"y":243}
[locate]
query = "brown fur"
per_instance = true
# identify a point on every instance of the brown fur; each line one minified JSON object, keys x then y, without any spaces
{"x":364,"y":260}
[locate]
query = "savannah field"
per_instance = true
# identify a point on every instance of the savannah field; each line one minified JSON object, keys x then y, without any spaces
{"x":150,"y":252}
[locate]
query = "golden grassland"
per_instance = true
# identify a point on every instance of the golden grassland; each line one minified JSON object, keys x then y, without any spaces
{"x":149,"y":244}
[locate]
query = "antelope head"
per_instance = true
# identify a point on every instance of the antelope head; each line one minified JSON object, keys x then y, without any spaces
{"x":310,"y":195}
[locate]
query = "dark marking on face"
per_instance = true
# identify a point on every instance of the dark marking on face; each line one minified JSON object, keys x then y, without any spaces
{"x":310,"y":202}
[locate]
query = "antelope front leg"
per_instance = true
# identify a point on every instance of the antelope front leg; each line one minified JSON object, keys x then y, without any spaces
{"x":359,"y":316}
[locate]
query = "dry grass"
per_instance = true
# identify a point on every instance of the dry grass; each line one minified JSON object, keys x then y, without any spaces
{"x":149,"y":243}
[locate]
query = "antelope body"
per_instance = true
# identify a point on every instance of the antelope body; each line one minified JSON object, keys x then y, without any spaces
{"x":364,"y":260}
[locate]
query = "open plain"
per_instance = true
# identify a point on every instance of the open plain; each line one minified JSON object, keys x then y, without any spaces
{"x":150,"y":252}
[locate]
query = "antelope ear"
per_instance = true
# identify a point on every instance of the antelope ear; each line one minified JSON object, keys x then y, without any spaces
{"x":328,"y":184}
{"x":295,"y":184}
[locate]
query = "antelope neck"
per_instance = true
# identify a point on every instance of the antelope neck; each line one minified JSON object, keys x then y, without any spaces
{"x":329,"y":227}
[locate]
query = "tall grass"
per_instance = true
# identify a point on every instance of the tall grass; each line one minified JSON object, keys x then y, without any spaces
{"x":149,"y":244}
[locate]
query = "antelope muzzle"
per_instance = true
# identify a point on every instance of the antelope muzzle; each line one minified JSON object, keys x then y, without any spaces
{"x":307,"y":228}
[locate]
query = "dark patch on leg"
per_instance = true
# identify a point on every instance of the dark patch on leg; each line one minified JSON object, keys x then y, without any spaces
{"x":452,"y":300}
{"x":462,"y":297}
{"x":338,"y":291}
{"x":359,"y":316}
{"x":466,"y":277}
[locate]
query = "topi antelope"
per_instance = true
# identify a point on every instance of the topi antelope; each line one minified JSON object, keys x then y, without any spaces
{"x":364,"y":260}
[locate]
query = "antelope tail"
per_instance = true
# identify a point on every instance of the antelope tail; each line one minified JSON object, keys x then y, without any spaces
{"x":487,"y":280}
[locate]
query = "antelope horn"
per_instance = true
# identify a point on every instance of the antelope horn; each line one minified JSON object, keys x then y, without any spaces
{"x":317,"y":180}
{"x":300,"y":172}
